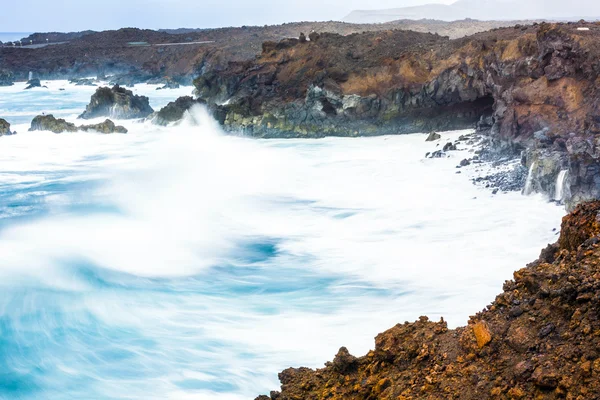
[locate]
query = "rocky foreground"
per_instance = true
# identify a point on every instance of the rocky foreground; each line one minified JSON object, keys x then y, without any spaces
{"x":540,"y":339}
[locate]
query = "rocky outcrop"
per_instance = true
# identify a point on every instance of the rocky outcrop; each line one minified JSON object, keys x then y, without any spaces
{"x":49,"y":123}
{"x":104,"y":127}
{"x":531,"y":88}
{"x":5,"y":128}
{"x":175,"y":110}
{"x":118,"y":103}
{"x":540,"y":338}
{"x":33,"y":83}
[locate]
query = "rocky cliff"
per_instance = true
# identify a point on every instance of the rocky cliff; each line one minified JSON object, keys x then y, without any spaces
{"x":540,"y":339}
{"x":533,"y":88}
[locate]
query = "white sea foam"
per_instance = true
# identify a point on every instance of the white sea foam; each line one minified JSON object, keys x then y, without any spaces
{"x":366,"y":233}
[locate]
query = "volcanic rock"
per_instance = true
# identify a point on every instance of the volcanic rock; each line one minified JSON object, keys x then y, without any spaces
{"x":174,"y":111}
{"x":49,"y":123}
{"x":5,"y":128}
{"x":118,"y":103}
{"x":549,"y":349}
{"x":33,"y":83}
{"x":105,"y":127}
{"x":433,"y":136}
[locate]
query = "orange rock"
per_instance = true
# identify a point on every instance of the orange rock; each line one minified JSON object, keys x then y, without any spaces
{"x":482,"y":334}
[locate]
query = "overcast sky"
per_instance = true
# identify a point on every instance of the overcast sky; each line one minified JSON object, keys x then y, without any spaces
{"x":77,"y":15}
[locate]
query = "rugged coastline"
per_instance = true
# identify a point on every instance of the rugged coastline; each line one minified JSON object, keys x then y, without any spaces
{"x":531,"y":89}
{"x":538,"y":339}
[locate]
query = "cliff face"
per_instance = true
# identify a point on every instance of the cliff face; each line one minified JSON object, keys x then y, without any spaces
{"x":532,"y":88}
{"x":540,"y":339}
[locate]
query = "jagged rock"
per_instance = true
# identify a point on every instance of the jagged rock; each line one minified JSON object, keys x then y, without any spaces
{"x":5,"y":128}
{"x":33,"y":83}
{"x":105,"y":127}
{"x":433,"y":136}
{"x":49,"y":123}
{"x":118,"y":103}
{"x":174,"y":111}
{"x":549,"y":349}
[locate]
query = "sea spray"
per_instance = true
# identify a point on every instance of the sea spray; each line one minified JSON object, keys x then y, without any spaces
{"x":528,"y":189}
{"x":561,"y":181}
{"x":180,"y":262}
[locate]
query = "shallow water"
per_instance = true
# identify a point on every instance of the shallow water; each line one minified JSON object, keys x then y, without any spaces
{"x":182,"y":263}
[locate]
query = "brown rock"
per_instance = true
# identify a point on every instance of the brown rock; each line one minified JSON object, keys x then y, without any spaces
{"x":482,"y":333}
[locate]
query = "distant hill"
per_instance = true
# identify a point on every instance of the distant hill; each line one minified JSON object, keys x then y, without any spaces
{"x":485,"y":10}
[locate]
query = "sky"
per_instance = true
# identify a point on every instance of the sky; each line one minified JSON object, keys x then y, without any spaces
{"x":77,"y":15}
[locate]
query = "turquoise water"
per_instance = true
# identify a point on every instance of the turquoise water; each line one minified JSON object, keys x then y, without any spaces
{"x":183,"y":263}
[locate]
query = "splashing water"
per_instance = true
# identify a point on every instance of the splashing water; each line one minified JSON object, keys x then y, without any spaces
{"x":528,"y":189}
{"x":179,"y":262}
{"x":561,"y":181}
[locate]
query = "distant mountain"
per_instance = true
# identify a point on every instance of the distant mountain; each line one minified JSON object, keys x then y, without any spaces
{"x":485,"y":10}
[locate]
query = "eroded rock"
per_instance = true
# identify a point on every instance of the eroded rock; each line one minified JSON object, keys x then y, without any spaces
{"x":117,"y":103}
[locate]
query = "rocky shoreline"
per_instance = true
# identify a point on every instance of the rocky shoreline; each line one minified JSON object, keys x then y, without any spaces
{"x":540,"y":338}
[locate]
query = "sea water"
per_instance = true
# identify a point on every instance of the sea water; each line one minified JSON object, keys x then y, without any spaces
{"x":184,"y":263}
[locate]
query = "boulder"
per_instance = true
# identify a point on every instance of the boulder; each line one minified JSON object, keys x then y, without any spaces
{"x":33,"y":83}
{"x":105,"y":127}
{"x":5,"y":128}
{"x":433,"y":136}
{"x":174,"y":111}
{"x":49,"y":123}
{"x":118,"y":103}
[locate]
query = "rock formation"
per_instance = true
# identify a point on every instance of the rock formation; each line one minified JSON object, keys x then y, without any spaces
{"x":118,"y":103}
{"x":540,"y":339}
{"x":174,"y":111}
{"x":49,"y":123}
{"x":33,"y":83}
{"x":532,"y":88}
{"x":5,"y":128}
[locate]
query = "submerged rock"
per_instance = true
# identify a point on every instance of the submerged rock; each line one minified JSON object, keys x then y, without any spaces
{"x":105,"y":127}
{"x":538,"y":339}
{"x":174,"y":111}
{"x":49,"y":123}
{"x":83,"y":82}
{"x":118,"y":103}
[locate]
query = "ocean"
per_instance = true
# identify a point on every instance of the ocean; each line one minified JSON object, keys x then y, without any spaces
{"x":183,"y":263}
{"x":12,"y":36}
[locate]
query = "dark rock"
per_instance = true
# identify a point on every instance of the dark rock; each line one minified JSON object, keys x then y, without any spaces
{"x":118,"y":103}
{"x":105,"y":127}
{"x":344,"y":362}
{"x":174,"y":111}
{"x":433,"y":136}
{"x":49,"y":123}
{"x":33,"y":83}
{"x":465,"y":163}
{"x":449,"y":147}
